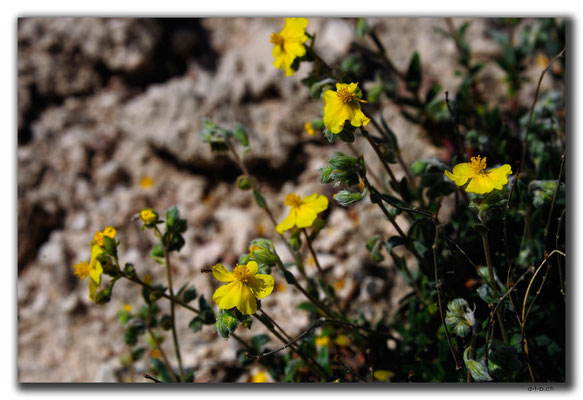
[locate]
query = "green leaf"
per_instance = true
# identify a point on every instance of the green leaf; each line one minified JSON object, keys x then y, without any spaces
{"x":258,"y":341}
{"x":195,"y":324}
{"x":259,"y":199}
{"x":289,"y":277}
{"x":503,"y":361}
{"x":414,"y":74}
{"x":487,"y":294}
{"x":307,"y":306}
{"x":207,"y":315}
{"x":162,"y":372}
{"x":361,"y":27}
{"x":477,"y":369}
{"x":241,"y":134}
{"x":393,"y":242}
{"x":189,"y":295}
{"x":324,"y":358}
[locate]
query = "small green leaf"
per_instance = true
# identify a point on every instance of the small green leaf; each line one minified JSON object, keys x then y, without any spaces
{"x":189,"y":295}
{"x":414,"y":74}
{"x":259,"y":199}
{"x":195,"y":324}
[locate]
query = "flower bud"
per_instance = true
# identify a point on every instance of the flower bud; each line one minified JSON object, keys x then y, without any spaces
{"x":149,"y":216}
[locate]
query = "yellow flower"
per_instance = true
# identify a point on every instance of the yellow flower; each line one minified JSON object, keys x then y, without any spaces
{"x":146,"y":182}
{"x":309,"y":128}
{"x":148,"y":215}
{"x":323,"y":341}
{"x":127,"y":308}
{"x":289,"y":44}
{"x":481,"y":181}
{"x":342,"y":341}
{"x":244,"y":286}
{"x":343,"y":105}
{"x":91,"y":269}
{"x":303,"y":211}
{"x":98,"y":237}
{"x":81,"y":269}
{"x":383,"y":375}
{"x":259,"y":377}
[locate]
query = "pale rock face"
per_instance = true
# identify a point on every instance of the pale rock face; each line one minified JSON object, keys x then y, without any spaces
{"x":105,"y":102}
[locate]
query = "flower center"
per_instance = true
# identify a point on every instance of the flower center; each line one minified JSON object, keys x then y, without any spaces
{"x":293,"y":200}
{"x":82,"y":269}
{"x":478,"y":164}
{"x":346,"y":96}
{"x":276,"y":39}
{"x":242,"y":273}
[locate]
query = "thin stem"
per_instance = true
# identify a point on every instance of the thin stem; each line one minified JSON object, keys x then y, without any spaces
{"x":524,"y":312}
{"x":377,"y":150}
{"x":546,"y":231}
{"x":314,"y":256}
{"x":321,"y":271}
{"x":159,"y":347}
{"x":243,"y":167}
{"x":492,"y":279}
{"x":290,"y":341}
{"x":173,"y":315}
{"x":523,"y":159}
{"x":458,"y":365}
{"x":307,"y":359}
{"x":264,"y":314}
{"x":561,"y":278}
{"x":149,"y":377}
{"x":161,"y":293}
{"x":316,"y":302}
{"x":472,"y":349}
{"x":461,"y":148}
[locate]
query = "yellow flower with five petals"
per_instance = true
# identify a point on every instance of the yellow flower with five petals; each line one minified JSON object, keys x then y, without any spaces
{"x":481,"y":181}
{"x":303,"y":212}
{"x":289,"y":44}
{"x":244,"y":286}
{"x":342,"y":105}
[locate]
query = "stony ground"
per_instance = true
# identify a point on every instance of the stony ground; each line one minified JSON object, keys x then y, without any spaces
{"x":104,"y":103}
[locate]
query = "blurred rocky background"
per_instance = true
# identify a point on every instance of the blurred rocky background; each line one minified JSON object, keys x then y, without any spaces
{"x":109,"y":116}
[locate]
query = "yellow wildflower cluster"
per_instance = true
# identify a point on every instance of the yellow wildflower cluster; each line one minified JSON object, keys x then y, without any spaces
{"x":481,"y":181}
{"x":93,"y":269}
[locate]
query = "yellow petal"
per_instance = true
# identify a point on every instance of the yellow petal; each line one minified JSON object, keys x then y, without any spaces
{"x":295,"y":28}
{"x":228,"y":296}
{"x":93,"y":286}
{"x":295,"y":49}
{"x":316,"y":202}
{"x":261,"y":285}
{"x":499,"y":176}
{"x":305,"y":216}
{"x":480,"y":184}
{"x":335,"y":112}
{"x":222,"y":274}
{"x":247,"y":304}
{"x":252,"y":267}
{"x":356,"y":116}
{"x":461,"y":173}
{"x":109,"y":231}
{"x":288,"y":222}
{"x":341,"y":86}
{"x":95,"y":268}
